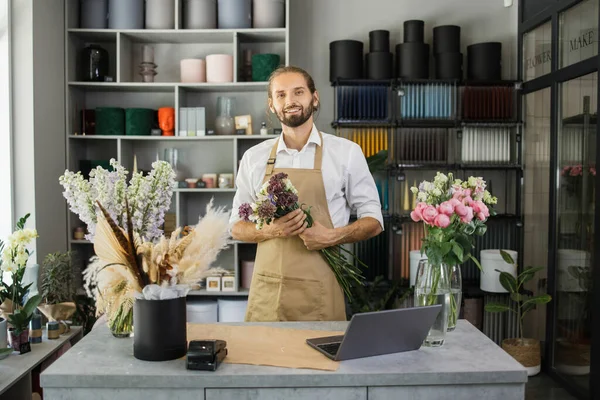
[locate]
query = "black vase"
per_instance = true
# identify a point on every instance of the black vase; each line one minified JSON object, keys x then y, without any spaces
{"x":446,"y":39}
{"x":93,"y":64}
{"x":412,"y":60}
{"x":484,"y":61}
{"x":414,"y":31}
{"x":160,"y":329}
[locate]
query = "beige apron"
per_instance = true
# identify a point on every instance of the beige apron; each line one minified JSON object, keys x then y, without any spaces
{"x":290,"y":282}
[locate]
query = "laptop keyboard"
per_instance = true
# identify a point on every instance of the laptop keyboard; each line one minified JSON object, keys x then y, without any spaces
{"x":330,"y":348}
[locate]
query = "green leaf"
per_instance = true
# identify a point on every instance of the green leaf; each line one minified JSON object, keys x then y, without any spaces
{"x":481,"y":230}
{"x":528,"y":274}
{"x":22,"y":221}
{"x":539,"y":299}
{"x":469,"y":228}
{"x":574,"y":271}
{"x":464,"y":241}
{"x":458,"y":250}
{"x":507,"y":258}
{"x":526,"y":308}
{"x":445,"y":247}
{"x":32,"y":304}
{"x":496,"y":307}
{"x":516,"y":297}
{"x":508,"y":281}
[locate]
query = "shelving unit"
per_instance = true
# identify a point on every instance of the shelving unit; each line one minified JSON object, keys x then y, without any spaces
{"x":431,"y":125}
{"x":198,"y":154}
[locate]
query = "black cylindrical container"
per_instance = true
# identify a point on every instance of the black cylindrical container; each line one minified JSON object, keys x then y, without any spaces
{"x":380,"y":65}
{"x":484,"y":61}
{"x":414,"y":31}
{"x":412,"y":60}
{"x":448,"y":66}
{"x":446,"y":39}
{"x":345,"y":60}
{"x":93,"y":63}
{"x":379,"y":41}
{"x":160,"y":329}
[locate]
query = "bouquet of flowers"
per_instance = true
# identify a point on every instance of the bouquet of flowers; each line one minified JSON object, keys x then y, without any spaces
{"x":572,"y":176}
{"x":149,"y":196}
{"x":453,"y":213}
{"x":278,"y":197}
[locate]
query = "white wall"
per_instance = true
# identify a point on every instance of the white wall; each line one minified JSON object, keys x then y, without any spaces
{"x":316,"y":23}
{"x":38,"y":120}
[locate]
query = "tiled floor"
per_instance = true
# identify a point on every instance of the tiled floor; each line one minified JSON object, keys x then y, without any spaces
{"x":542,"y":387}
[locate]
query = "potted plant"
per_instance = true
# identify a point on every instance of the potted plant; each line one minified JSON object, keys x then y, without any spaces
{"x":57,"y":288}
{"x":19,"y":321}
{"x":15,"y":256}
{"x":524,"y":350}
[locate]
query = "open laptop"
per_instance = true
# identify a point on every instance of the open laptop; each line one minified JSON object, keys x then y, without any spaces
{"x":380,"y":332}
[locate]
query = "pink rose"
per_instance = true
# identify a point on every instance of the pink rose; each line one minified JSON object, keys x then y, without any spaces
{"x":467,"y":192}
{"x":481,"y":216}
{"x":417,"y":213}
{"x":442,"y":221}
{"x":467,"y":201}
{"x":454,"y":202}
{"x":429,"y":214}
{"x":593,"y":171}
{"x":446,"y":208}
{"x":485,"y":210}
{"x":576,"y":170}
{"x":478,"y":206}
{"x":461,"y":209}
{"x":468,"y":217}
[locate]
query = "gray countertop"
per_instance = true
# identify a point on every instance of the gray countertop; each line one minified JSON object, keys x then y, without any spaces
{"x":467,"y":357}
{"x":17,"y":365}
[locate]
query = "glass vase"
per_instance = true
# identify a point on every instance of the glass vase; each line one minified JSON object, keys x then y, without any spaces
{"x":432,"y":287}
{"x":121,"y":325}
{"x":224,"y":122}
{"x":455,"y":279}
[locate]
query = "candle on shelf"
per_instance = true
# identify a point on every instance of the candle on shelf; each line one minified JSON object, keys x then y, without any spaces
{"x":406,"y":205}
{"x":134,"y":163}
{"x":147,"y":53}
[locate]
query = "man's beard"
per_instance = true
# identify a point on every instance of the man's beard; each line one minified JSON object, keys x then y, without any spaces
{"x":294,"y":121}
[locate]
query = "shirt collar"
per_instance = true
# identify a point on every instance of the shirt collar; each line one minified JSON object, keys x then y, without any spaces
{"x":313,"y":138}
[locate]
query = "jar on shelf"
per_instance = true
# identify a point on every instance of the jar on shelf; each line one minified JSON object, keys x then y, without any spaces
{"x":93,"y":64}
{"x":79,"y":233}
{"x":224,"y":123}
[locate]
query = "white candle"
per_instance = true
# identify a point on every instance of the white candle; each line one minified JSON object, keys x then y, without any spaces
{"x":148,"y":53}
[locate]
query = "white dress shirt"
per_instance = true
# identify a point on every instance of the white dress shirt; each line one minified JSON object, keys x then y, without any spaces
{"x":349,"y":186}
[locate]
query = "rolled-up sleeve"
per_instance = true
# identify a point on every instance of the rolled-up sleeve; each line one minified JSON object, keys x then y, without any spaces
{"x":245,"y":191}
{"x":361,"y":191}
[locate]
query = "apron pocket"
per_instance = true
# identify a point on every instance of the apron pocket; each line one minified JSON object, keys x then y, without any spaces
{"x":301,"y":300}
{"x":262,"y":302}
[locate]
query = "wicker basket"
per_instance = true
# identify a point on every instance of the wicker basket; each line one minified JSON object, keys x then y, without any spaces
{"x":525,"y":351}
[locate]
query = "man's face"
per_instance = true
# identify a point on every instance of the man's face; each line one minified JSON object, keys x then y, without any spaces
{"x":291,"y":99}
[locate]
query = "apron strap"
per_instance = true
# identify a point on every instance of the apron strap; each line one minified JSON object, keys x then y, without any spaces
{"x":273,"y":157}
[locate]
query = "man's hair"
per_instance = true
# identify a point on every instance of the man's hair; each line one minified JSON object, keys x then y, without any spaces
{"x":310,"y":83}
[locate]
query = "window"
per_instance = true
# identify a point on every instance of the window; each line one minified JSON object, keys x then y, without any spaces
{"x":5,"y":122}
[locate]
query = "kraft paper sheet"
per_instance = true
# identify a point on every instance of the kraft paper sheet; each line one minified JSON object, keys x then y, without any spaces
{"x":265,"y":345}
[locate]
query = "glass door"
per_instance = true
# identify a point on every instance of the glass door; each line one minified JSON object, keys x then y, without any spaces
{"x":575,"y":228}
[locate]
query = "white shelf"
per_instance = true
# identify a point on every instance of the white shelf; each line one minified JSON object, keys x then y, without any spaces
{"x":203,"y":190}
{"x":182,"y":36}
{"x":167,"y":87}
{"x":169,"y":138}
{"x":204,"y":292}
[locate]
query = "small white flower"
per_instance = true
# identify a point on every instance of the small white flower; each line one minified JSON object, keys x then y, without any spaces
{"x":422,"y":196}
{"x":414,"y":189}
{"x":437,"y":192}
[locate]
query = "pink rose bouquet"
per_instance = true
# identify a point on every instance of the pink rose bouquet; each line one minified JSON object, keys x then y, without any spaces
{"x":453,"y":212}
{"x":278,"y":197}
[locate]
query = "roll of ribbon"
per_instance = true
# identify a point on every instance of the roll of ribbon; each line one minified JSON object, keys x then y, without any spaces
{"x":35,"y":329}
{"x":110,"y":121}
{"x":138,"y":121}
{"x":52,"y":330}
{"x":263,"y":65}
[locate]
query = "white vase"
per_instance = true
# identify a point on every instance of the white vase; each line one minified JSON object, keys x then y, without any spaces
{"x":415,"y":257}
{"x":491,"y":260}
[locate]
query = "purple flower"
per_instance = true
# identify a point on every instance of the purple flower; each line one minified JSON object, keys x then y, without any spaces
{"x":275,"y":187}
{"x":286,"y":200}
{"x":279,"y":177}
{"x":266,"y":210}
{"x":245,"y":211}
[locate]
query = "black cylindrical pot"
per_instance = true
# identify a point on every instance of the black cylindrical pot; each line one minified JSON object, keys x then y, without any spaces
{"x":414,"y":31}
{"x":484,"y":61}
{"x":160,"y":329}
{"x":379,"y":41}
{"x":448,"y":66}
{"x":446,"y":39}
{"x":412,"y":60}
{"x":380,"y":65}
{"x":345,"y":60}
{"x":93,"y":64}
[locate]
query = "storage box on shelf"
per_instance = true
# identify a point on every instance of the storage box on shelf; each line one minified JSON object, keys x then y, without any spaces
{"x":103,"y":71}
{"x":468,"y":128}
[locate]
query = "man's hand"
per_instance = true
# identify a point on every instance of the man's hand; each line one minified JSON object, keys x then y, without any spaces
{"x":291,"y":224}
{"x":317,"y":237}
